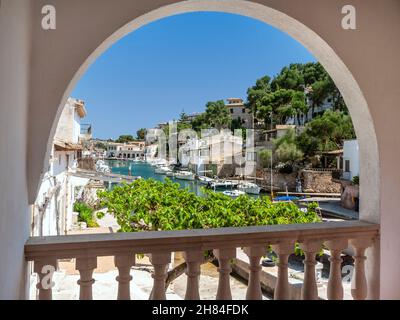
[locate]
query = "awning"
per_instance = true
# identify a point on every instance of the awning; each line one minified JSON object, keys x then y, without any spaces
{"x":333,"y":152}
{"x":66,"y":146}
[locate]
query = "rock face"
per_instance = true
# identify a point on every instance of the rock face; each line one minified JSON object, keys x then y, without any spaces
{"x":349,"y":196}
{"x":319,"y":182}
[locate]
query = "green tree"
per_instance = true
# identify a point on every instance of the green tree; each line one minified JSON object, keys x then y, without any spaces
{"x":326,"y":132}
{"x":284,"y":95}
{"x":290,"y":78}
{"x":125,"y":138}
{"x":256,"y":95}
{"x":141,"y":134}
{"x":317,"y":94}
{"x":282,"y":104}
{"x":286,"y":150}
{"x":216,"y":116}
{"x":265,"y":158}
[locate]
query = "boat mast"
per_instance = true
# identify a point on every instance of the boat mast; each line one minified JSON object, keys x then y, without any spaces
{"x":272,"y":176}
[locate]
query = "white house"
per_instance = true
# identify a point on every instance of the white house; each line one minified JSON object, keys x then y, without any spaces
{"x":212,"y":152}
{"x":238,"y":111}
{"x":52,"y":211}
{"x":131,"y":150}
{"x":351,"y":159}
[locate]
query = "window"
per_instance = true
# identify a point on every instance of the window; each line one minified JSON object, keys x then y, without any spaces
{"x":231,"y":110}
{"x":347,"y":165}
{"x":243,"y":110}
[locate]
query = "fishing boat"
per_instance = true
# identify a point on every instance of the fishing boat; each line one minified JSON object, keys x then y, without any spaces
{"x":185,"y":175}
{"x":162,"y":170}
{"x":205,"y":180}
{"x":250,"y":188}
{"x":234,"y":193}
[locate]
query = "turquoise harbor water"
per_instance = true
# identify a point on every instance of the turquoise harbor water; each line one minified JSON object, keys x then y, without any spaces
{"x":146,"y":171}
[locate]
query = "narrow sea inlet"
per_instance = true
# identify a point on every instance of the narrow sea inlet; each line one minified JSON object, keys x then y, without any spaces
{"x":147,"y":171}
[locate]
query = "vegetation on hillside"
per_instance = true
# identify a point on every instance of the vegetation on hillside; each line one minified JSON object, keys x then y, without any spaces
{"x":292,"y":93}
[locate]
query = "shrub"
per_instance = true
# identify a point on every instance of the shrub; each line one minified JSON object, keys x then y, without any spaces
{"x":85,"y":214}
{"x":149,"y":205}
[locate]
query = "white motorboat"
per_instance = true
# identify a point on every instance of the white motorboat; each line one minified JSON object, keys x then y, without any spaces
{"x":157,"y":162}
{"x":170,"y":174}
{"x":102,"y":167}
{"x":163,"y":170}
{"x":249,"y":187}
{"x":234,"y":193}
{"x":185,"y":175}
{"x":223,"y":184}
{"x":205,"y":180}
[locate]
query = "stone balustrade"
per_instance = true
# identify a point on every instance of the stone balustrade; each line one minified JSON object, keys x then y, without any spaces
{"x":335,"y":236}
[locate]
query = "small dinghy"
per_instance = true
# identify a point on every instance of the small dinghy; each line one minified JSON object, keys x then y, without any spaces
{"x":234,"y":193}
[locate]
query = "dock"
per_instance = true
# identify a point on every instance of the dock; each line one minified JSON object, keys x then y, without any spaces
{"x":310,"y":194}
{"x":331,"y":207}
{"x":100,"y":176}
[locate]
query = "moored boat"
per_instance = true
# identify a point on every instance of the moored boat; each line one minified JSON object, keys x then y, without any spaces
{"x":223,"y":184}
{"x":250,"y":188}
{"x":185,"y":175}
{"x":234,"y":193}
{"x":163,"y":170}
{"x":170,"y":174}
{"x":205,"y":180}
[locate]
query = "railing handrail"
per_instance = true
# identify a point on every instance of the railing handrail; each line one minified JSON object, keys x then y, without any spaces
{"x":94,"y":245}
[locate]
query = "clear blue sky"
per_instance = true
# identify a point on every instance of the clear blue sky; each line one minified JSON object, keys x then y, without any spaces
{"x":180,"y":63}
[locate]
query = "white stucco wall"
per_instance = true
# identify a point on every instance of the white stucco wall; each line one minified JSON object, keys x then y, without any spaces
{"x":14,"y":208}
{"x":351,"y":153}
{"x":61,"y":202}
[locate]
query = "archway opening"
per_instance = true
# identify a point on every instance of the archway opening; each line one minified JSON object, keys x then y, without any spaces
{"x":326,"y":56}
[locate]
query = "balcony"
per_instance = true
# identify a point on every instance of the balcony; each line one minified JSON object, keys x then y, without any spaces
{"x":334,"y":236}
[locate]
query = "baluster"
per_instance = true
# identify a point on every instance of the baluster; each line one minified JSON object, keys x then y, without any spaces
{"x":224,"y":257}
{"x":309,"y":291}
{"x":44,"y":269}
{"x":254,"y":286}
{"x":359,"y":289}
{"x":283,"y":250}
{"x":160,"y":262}
{"x":193,"y":260}
{"x":335,"y":286}
{"x":86,"y":267}
{"x":124,"y":264}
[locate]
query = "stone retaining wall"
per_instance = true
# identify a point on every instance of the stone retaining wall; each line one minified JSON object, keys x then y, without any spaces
{"x":319,"y":181}
{"x":312,"y":181}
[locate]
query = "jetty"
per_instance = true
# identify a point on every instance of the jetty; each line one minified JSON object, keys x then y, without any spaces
{"x":310,"y":194}
{"x":101,"y":176}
